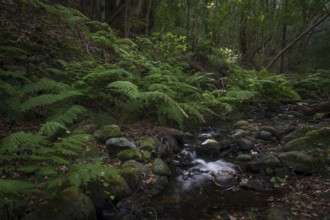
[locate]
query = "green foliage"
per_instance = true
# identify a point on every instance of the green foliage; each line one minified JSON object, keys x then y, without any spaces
{"x":314,"y":85}
{"x":259,"y":86}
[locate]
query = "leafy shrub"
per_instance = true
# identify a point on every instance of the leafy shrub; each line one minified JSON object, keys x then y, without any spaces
{"x":259,"y":86}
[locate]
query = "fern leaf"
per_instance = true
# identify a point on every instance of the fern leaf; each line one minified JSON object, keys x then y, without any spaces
{"x":51,"y":128}
{"x":15,"y":187}
{"x":47,"y":99}
{"x":160,"y":96}
{"x":68,"y":116}
{"x":74,"y":143}
{"x":21,"y":140}
{"x":44,"y":84}
{"x":126,"y":88}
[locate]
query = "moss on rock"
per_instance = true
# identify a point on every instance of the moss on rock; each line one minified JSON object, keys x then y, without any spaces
{"x":130,"y":154}
{"x":106,"y":132}
{"x":312,"y":140}
{"x":241,"y":124}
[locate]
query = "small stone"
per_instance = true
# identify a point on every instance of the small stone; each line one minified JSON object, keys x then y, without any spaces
{"x":298,"y":161}
{"x":265,"y":135}
{"x":245,"y":144}
{"x":244,"y":157}
{"x":209,"y":147}
{"x":241,"y":124}
{"x":159,"y":167}
{"x":119,"y":143}
{"x":146,"y":156}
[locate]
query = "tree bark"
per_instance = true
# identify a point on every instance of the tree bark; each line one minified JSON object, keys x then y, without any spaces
{"x":321,"y":19}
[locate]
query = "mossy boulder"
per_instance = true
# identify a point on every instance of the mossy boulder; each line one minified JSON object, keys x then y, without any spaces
{"x":276,"y":213}
{"x":243,"y":157}
{"x":296,"y":134}
{"x":106,"y":132}
{"x":130,"y":154}
{"x":114,"y":145}
{"x":265,"y":135}
{"x":208,"y":147}
{"x":118,"y":187}
{"x":146,"y":156}
{"x":241,"y":124}
{"x":148,"y":144}
{"x":312,"y":141}
{"x":67,"y":205}
{"x":159,"y":167}
{"x":297,"y":161}
{"x":264,"y":163}
{"x":139,"y":166}
{"x":131,"y":175}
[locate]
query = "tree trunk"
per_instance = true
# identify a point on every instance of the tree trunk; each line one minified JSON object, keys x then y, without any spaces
{"x":319,"y":21}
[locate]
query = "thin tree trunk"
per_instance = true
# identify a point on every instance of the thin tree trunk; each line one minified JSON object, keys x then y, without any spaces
{"x":322,"y":18}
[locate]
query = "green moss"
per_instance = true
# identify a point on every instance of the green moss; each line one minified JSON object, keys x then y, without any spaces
{"x":130,"y":154}
{"x":131,"y":175}
{"x":146,"y":156}
{"x":148,"y":144}
{"x":312,"y":140}
{"x":241,"y":123}
{"x":107,"y":132}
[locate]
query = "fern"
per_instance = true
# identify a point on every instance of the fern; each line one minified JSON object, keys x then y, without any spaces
{"x":46,"y":85}
{"x":126,"y":88}
{"x":49,"y":129}
{"x":21,"y":140}
{"x":15,"y":187}
{"x":68,"y":116}
{"x":47,"y":99}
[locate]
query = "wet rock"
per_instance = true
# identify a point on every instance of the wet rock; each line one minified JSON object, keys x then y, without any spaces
{"x":139,"y":166}
{"x":117,"y":144}
{"x":241,"y":124}
{"x":131,"y":175}
{"x":245,"y":144}
{"x":130,"y":154}
{"x":251,"y":184}
{"x":224,"y":144}
{"x":106,"y":132}
{"x":67,"y":205}
{"x":224,"y":179}
{"x":159,"y":167}
{"x":148,"y":144}
{"x":296,"y":134}
{"x":265,"y":135}
{"x":297,"y":161}
{"x":260,"y":165}
{"x":209,"y":147}
{"x":272,"y":130}
{"x":239,"y":133}
{"x":161,"y":183}
{"x":312,"y":140}
{"x":276,"y":213}
{"x":244,"y":157}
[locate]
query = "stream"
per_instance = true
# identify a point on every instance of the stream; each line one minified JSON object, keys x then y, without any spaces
{"x":209,"y":187}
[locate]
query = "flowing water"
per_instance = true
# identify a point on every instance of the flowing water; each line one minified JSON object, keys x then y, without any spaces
{"x":207,"y":189}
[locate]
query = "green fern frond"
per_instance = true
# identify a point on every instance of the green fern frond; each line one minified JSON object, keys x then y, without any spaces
{"x":21,"y":140}
{"x":15,"y":187}
{"x":47,"y":171}
{"x":68,"y":116}
{"x":13,"y":50}
{"x":126,"y":88}
{"x":106,"y":76}
{"x":51,"y":128}
{"x":194,"y":111}
{"x":44,"y":84}
{"x":241,"y":94}
{"x":47,"y":99}
{"x":160,"y":96}
{"x":162,"y":88}
{"x":29,"y":169}
{"x":59,"y":160}
{"x":18,"y":74}
{"x":75,"y":143}
{"x":168,"y":113}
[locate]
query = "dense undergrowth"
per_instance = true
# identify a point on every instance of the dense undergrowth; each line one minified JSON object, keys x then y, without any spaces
{"x":58,"y":67}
